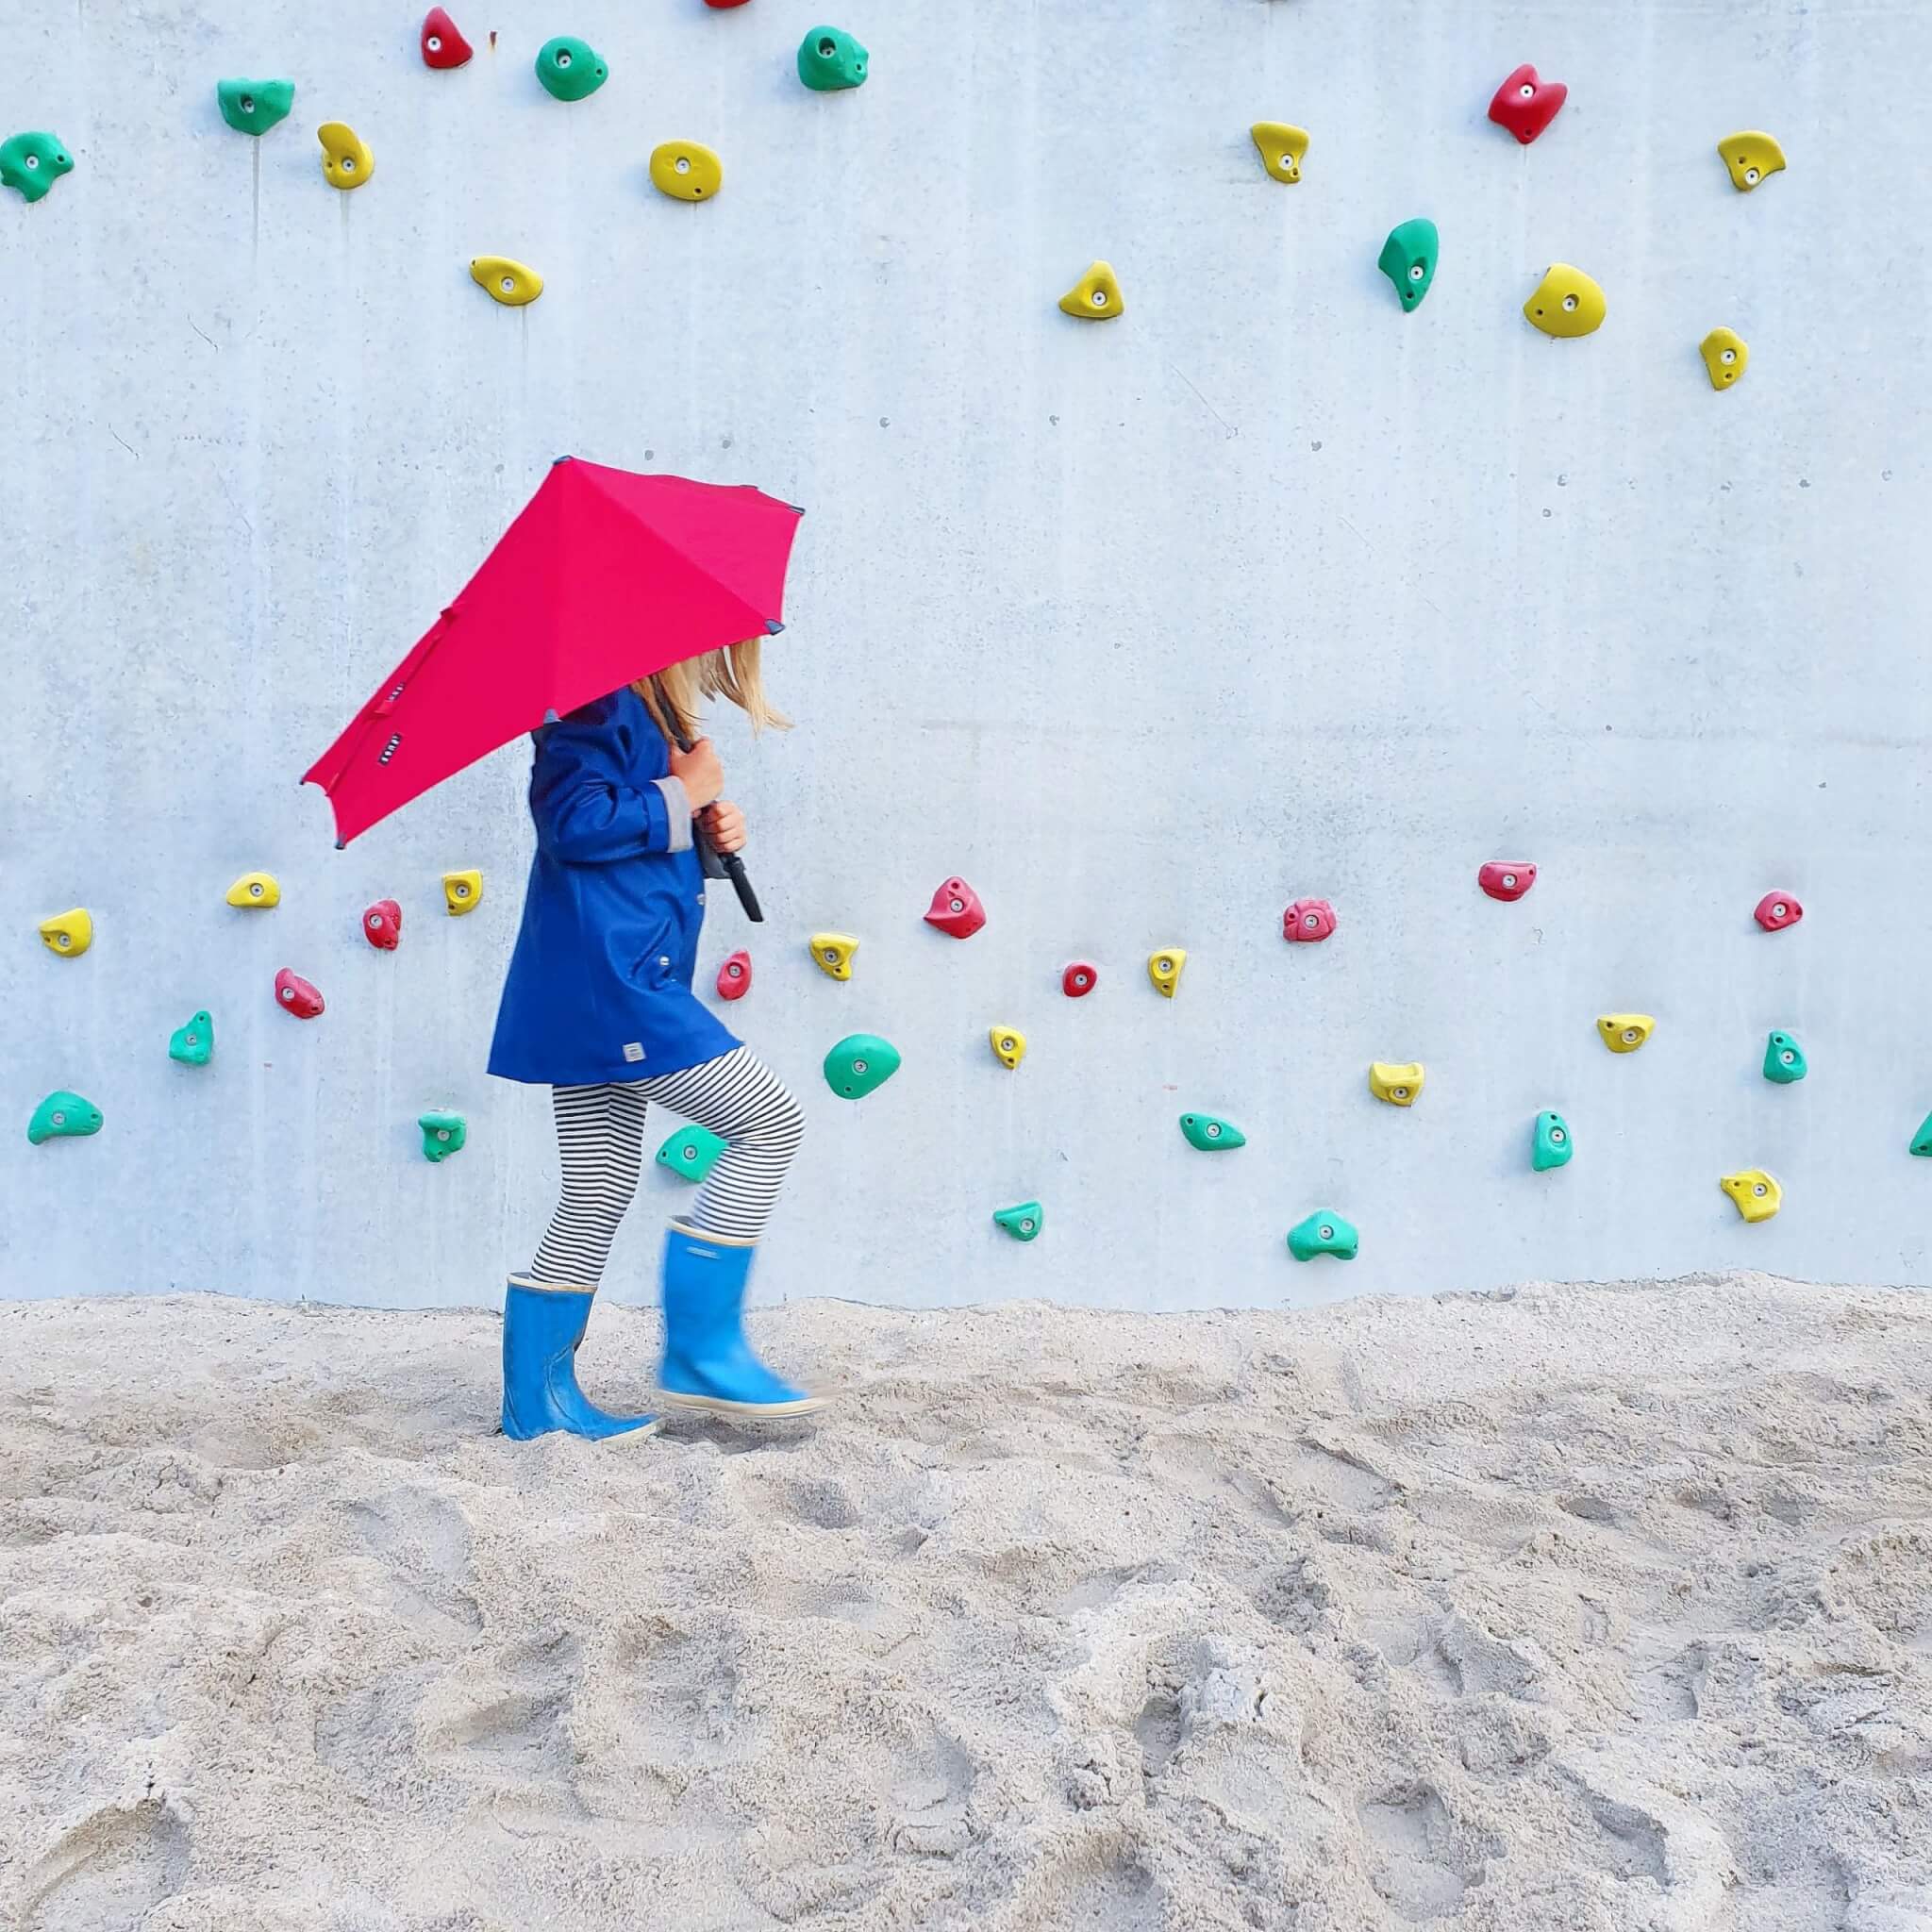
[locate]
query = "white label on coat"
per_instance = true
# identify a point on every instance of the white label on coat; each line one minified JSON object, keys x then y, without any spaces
{"x":633,"y":1050}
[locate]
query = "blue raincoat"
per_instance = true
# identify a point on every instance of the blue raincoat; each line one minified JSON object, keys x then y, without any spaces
{"x":599,"y":986}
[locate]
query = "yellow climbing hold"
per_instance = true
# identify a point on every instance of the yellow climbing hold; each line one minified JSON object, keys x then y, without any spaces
{"x":1751,"y":157}
{"x":833,"y":951}
{"x":70,"y":934}
{"x":1758,"y":1195}
{"x":1281,"y":148}
{"x":256,"y":890}
{"x":1095,"y":297}
{"x":1566,"y":303}
{"x":1008,"y":1044}
{"x":1397,"y":1085}
{"x":509,"y":282}
{"x":1725,"y":357}
{"x":1625,"y":1032}
{"x":345,"y":157}
{"x":685,"y":171}
{"x":462,"y":891}
{"x":1164,"y":970}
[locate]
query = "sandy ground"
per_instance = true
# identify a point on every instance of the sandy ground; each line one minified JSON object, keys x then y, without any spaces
{"x":1599,"y":1608}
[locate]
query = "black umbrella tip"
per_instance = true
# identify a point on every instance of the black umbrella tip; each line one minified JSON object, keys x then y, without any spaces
{"x":555,"y":460}
{"x":342,"y":844}
{"x":772,"y":627}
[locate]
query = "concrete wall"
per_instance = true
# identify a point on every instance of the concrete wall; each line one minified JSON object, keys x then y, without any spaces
{"x":1265,"y":589}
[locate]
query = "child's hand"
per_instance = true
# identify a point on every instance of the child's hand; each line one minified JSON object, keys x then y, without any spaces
{"x":699,"y":772}
{"x":724,"y":823}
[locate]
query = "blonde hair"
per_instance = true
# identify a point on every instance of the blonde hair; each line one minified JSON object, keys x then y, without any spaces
{"x":732,"y":672}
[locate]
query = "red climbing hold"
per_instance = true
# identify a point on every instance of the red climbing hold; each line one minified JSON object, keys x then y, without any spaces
{"x":295,"y":994}
{"x":955,"y":909}
{"x":1776,"y":910}
{"x":734,"y":977}
{"x":1502,"y":880}
{"x":443,"y":46}
{"x":1079,"y":979}
{"x":1525,"y":106}
{"x":1308,"y":920}
{"x":382,"y":926}
{"x":724,"y":3}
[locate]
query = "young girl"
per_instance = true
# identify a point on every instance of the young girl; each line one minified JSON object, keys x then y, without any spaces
{"x":598,"y":1007}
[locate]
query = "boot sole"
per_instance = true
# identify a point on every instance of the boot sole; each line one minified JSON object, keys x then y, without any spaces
{"x":753,"y":1412}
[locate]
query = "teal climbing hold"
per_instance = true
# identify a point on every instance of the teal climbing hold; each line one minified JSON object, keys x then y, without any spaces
{"x":829,"y":58}
{"x":1409,"y":259}
{"x":691,"y":1152}
{"x":1324,"y":1233}
{"x":63,"y":1113}
{"x":33,"y":163}
{"x":1210,"y":1133}
{"x":859,"y":1063}
{"x":192,"y":1044}
{"x":570,"y":68}
{"x":1552,"y":1145}
{"x":252,"y":107}
{"x":1023,"y":1223}
{"x":1922,"y":1141}
{"x":1784,"y":1059}
{"x":443,"y":1134}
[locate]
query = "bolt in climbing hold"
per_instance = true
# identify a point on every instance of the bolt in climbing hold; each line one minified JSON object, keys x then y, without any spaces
{"x":691,"y":1152}
{"x":570,"y":68}
{"x":252,"y":107}
{"x":1307,"y":922}
{"x":1080,"y":978}
{"x":504,"y":281}
{"x":1409,"y":259}
{"x":63,"y":1115}
{"x":1095,"y":297}
{"x":1758,"y":1195}
{"x":859,"y":1063}
{"x":462,"y":891}
{"x":833,"y":952}
{"x":1164,"y":970}
{"x":1324,"y":1232}
{"x":1784,"y":1059}
{"x":443,"y":46}
{"x":345,"y":157}
{"x":33,"y":163}
{"x":1008,"y":1044}
{"x":1501,"y":880}
{"x":1625,"y":1032}
{"x":382,"y":926}
{"x":70,"y":934}
{"x":1726,"y":355}
{"x":1281,"y":148}
{"x":1397,"y":1085}
{"x":955,"y":909}
{"x":734,"y":976}
{"x":1922,"y":1141}
{"x":829,"y":58}
{"x":1750,"y":157}
{"x":443,"y":1134}
{"x":1525,"y":105}
{"x":255,"y":891}
{"x":685,"y":171}
{"x":1565,"y":303}
{"x":1550,"y":1144}
{"x":1210,"y":1133}
{"x":1023,"y":1222}
{"x":294,"y":994}
{"x":192,"y":1044}
{"x":1776,"y":910}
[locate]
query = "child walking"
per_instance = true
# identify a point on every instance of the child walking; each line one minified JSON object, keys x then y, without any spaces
{"x":598,"y":1007}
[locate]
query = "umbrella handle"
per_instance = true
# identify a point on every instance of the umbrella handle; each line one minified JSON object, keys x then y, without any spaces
{"x":716,"y":863}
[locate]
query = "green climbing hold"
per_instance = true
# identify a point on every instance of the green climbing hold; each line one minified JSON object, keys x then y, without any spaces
{"x":192,"y":1044}
{"x":252,"y":107}
{"x":1023,"y":1223}
{"x":1553,"y":1145}
{"x":570,"y":68}
{"x":443,"y":1134}
{"x":691,"y":1152}
{"x":1210,"y":1133}
{"x":63,"y":1113}
{"x":1784,"y":1060}
{"x":32,"y":163}
{"x":1324,"y":1233}
{"x":1409,"y":259}
{"x":1922,"y":1141}
{"x":829,"y":58}
{"x":858,"y":1063}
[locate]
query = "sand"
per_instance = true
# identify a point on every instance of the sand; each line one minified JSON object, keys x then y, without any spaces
{"x":1573,"y":1607}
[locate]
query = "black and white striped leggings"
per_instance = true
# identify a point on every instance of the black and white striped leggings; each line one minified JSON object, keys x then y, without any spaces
{"x":600,"y":1134}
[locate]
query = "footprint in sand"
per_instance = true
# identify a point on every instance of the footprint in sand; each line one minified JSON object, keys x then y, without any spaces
{"x":1410,"y":1839}
{"x":106,"y":1871}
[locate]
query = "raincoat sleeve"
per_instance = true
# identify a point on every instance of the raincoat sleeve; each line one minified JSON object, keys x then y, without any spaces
{"x":588,"y":806}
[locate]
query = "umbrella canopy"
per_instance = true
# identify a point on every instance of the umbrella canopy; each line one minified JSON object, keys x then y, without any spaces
{"x":606,"y":577}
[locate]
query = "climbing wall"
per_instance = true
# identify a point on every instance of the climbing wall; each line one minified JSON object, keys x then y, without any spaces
{"x":1312,"y":555}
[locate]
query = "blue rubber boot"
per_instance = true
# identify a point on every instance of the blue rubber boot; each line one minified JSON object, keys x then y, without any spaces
{"x":707,"y":1362}
{"x":542,"y":1327}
